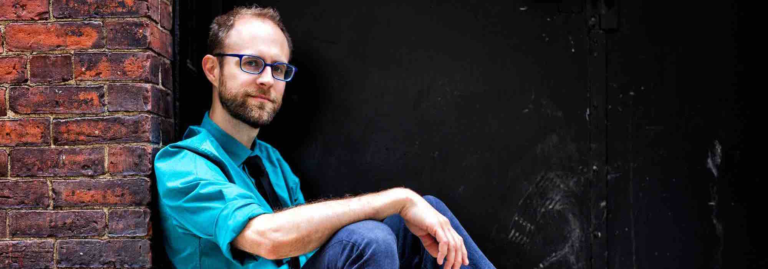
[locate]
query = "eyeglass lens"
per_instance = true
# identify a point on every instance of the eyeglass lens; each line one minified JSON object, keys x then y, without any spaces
{"x":256,"y":65}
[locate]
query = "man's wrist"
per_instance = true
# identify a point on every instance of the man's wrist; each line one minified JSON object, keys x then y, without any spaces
{"x":404,"y":197}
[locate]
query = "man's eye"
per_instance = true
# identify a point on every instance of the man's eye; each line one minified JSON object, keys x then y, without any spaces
{"x":279,"y":69}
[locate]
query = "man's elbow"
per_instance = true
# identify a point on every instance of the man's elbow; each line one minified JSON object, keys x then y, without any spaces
{"x":258,"y":239}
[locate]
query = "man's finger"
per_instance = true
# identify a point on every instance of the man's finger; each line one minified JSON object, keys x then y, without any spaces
{"x":466,"y":255}
{"x":459,"y":259}
{"x":459,"y":250}
{"x":430,"y":244}
{"x":442,"y":245}
{"x":452,"y":250}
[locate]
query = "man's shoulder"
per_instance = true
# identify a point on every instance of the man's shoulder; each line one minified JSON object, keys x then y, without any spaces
{"x":196,"y":146}
{"x":264,"y":147}
{"x":267,"y":151}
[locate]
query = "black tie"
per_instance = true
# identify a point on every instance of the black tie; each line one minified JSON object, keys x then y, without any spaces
{"x":256,"y":169}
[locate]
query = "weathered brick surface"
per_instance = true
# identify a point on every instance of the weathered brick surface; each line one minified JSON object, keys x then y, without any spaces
{"x":131,"y":160}
{"x":23,"y":194}
{"x":129,"y":222}
{"x":160,"y":11}
{"x":140,"y":98}
{"x":141,"y":128}
{"x":104,"y":253}
{"x":127,"y":34}
{"x":57,"y":223}
{"x":138,"y":35}
{"x":25,"y":132}
{"x":166,"y":72}
{"x":55,"y":100}
{"x":99,"y":192}
{"x":117,"y":66}
{"x":3,"y":163}
{"x":3,"y":229}
{"x":3,"y":106}
{"x":74,"y":74}
{"x":53,"y":36}
{"x":13,"y":69}
{"x":161,"y":42}
{"x":92,"y":9}
{"x":57,"y":162}
{"x":26,"y":254}
{"x":23,"y":10}
{"x":50,"y":68}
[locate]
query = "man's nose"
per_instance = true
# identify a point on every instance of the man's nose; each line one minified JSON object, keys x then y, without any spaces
{"x":265,"y":78}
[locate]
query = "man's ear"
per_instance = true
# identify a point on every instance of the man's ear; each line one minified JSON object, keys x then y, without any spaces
{"x":211,"y":69}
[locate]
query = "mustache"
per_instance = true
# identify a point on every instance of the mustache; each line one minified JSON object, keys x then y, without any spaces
{"x":260,"y":93}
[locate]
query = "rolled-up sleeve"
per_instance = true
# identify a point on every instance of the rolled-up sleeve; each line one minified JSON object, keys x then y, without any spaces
{"x":197,"y":196}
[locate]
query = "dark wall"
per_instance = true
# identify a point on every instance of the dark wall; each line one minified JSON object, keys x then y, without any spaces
{"x":684,"y":139}
{"x":562,"y":134}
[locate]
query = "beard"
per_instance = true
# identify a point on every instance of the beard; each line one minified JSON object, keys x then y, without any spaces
{"x":236,"y":103}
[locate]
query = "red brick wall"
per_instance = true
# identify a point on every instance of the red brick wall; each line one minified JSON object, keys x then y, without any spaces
{"x":85,"y":103}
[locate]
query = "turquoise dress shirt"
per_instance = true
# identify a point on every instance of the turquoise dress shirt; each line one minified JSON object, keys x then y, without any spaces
{"x":206,"y":197}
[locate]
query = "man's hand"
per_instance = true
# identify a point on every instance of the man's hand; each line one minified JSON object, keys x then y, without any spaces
{"x":435,"y":232}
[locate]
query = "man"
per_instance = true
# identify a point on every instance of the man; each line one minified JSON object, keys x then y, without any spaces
{"x":229,"y":200}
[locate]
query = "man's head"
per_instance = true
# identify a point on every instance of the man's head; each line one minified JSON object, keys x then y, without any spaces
{"x":253,"y":99}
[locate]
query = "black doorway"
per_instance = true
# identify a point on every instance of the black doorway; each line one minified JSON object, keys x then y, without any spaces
{"x":563,"y":134}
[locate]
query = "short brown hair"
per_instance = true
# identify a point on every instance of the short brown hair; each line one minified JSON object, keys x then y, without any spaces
{"x":222,"y":24}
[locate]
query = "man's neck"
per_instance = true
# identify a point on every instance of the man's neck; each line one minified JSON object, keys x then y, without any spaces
{"x":244,"y":133}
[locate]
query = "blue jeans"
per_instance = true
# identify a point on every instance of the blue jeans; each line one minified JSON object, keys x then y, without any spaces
{"x":388,"y":244}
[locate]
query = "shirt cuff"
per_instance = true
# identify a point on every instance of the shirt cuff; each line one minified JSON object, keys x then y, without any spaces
{"x":230,"y":222}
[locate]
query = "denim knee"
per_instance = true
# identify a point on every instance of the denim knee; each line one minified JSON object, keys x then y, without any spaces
{"x":436,"y":203}
{"x":373,"y":237}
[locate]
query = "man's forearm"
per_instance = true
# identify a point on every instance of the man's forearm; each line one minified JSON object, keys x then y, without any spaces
{"x":302,"y":229}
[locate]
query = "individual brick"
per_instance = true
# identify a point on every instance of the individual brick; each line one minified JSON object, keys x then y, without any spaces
{"x":53,"y":36}
{"x":94,"y":9}
{"x":57,"y":100}
{"x":97,"y":192}
{"x":26,"y":254}
{"x":3,"y":106}
{"x":57,"y":223}
{"x":3,"y":163}
{"x":23,"y":194}
{"x":127,"y":34}
{"x":131,"y":160}
{"x":25,"y":132}
{"x":129,"y":222}
{"x":13,"y":69}
{"x":117,"y":66}
{"x":50,"y":68}
{"x":20,"y":10}
{"x":57,"y":162}
{"x":166,"y":73}
{"x":140,"y":98}
{"x":3,"y":219}
{"x":141,"y":128}
{"x":104,"y":253}
{"x":138,"y":35}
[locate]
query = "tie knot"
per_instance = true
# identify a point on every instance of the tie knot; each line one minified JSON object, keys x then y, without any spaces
{"x":255,"y":165}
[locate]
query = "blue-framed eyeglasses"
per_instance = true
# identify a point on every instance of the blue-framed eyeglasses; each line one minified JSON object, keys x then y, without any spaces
{"x":253,"y":64}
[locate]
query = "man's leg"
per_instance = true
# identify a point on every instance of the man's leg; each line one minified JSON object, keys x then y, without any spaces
{"x":364,"y":244}
{"x":412,"y":253}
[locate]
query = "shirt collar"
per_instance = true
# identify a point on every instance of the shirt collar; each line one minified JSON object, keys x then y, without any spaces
{"x":236,"y":151}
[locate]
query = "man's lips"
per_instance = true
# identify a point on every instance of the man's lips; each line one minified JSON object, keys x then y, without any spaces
{"x":262,"y":98}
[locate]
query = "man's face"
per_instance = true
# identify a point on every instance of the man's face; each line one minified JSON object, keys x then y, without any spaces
{"x":250,"y":98}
